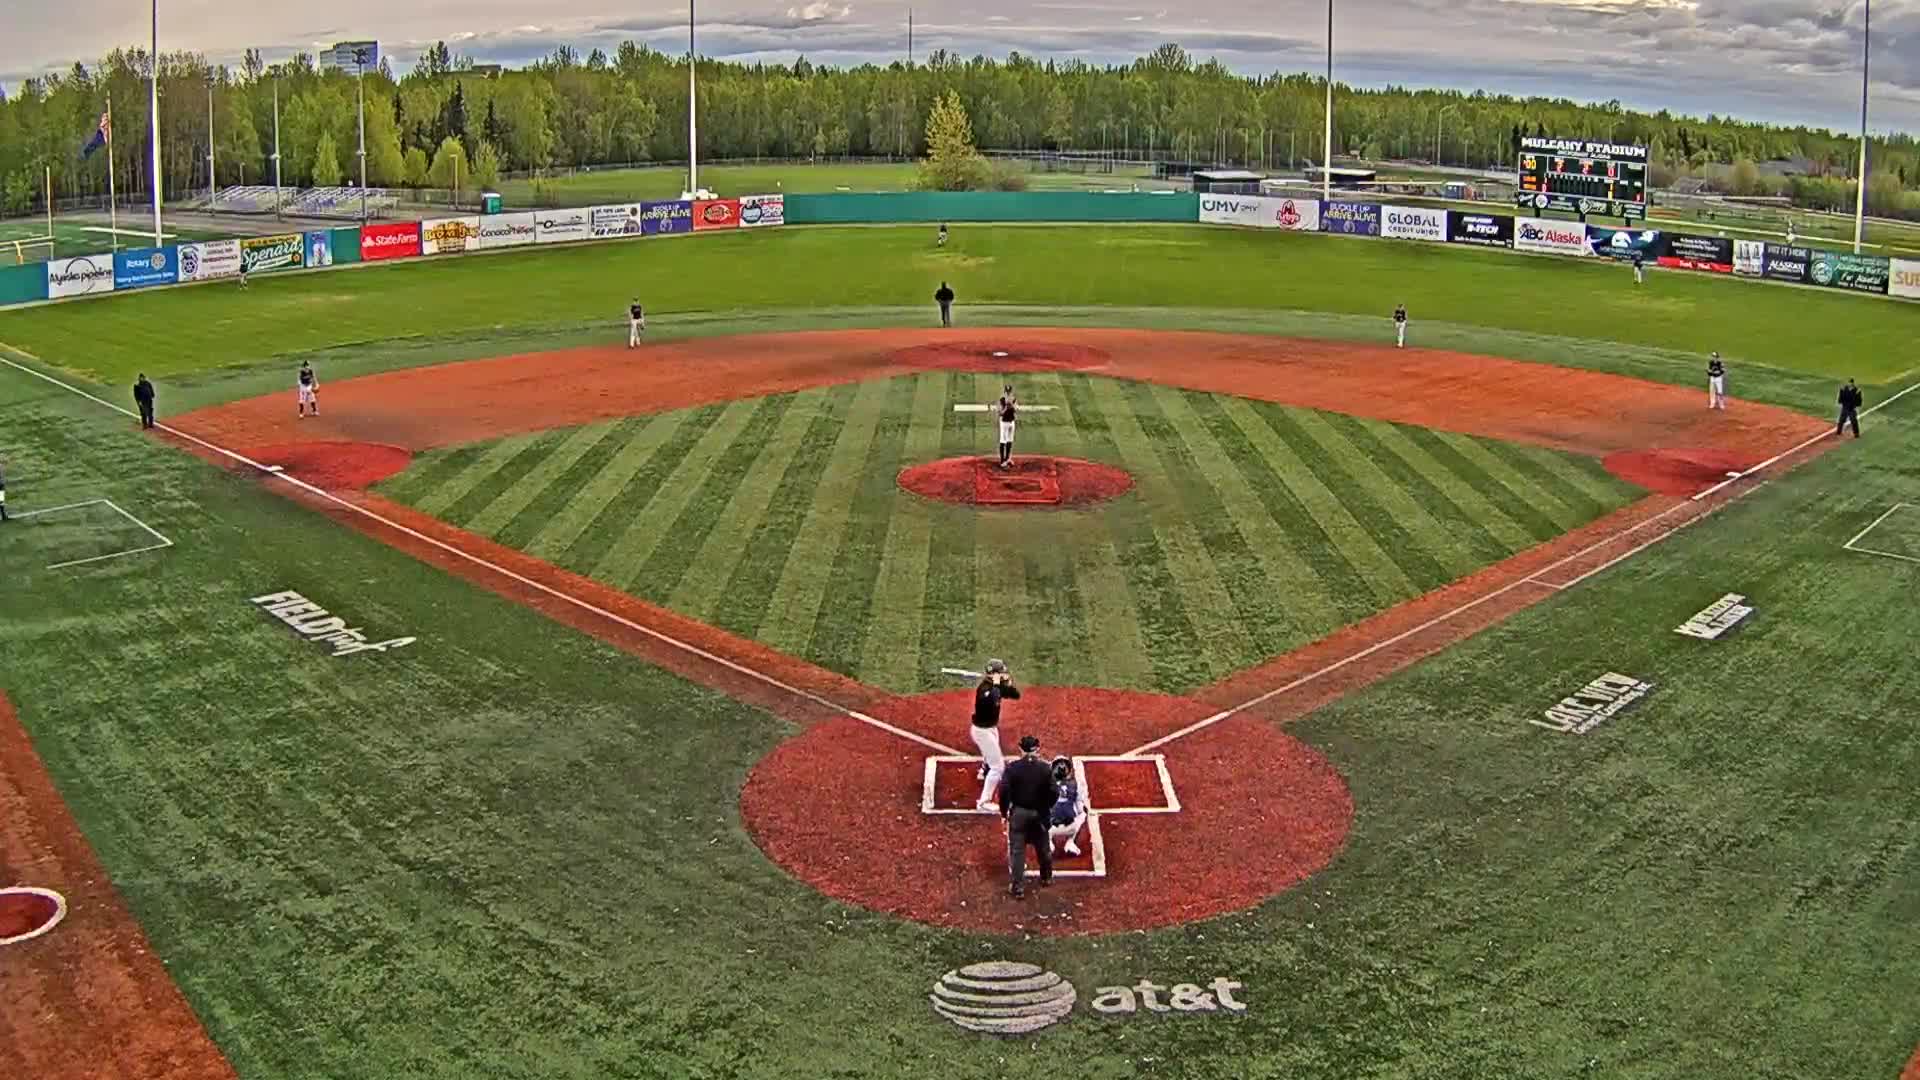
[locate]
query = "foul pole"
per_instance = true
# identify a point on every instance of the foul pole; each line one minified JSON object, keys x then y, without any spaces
{"x":153,"y":121}
{"x":693,"y":142}
{"x":1860,"y":197}
{"x":113,"y":203}
{"x":1326,"y":176}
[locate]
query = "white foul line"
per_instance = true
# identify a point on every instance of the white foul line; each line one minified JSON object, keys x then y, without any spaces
{"x":1737,"y":477}
{"x":1862,"y":535}
{"x":1851,"y":545}
{"x":691,"y":650}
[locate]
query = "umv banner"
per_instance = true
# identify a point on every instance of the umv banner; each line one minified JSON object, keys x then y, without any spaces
{"x":213,"y":259}
{"x":80,"y":276}
{"x":137,"y":268}
{"x":1414,"y":223}
{"x":506,"y":230}
{"x":621,"y":220}
{"x":760,"y":211}
{"x":1550,"y":237}
{"x":657,"y":218}
{"x":448,"y":236}
{"x":1261,"y":212}
{"x":558,"y":226}
{"x":1351,"y":218}
{"x":262,"y":253}
{"x":1905,"y":280}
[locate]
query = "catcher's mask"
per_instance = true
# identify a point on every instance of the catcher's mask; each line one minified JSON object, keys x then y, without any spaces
{"x":1062,"y":769}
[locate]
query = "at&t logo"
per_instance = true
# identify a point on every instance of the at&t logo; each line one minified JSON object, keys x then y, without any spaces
{"x":1004,"y":997}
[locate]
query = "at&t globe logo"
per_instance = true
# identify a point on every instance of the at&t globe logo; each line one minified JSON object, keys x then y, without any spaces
{"x":1003,"y":997}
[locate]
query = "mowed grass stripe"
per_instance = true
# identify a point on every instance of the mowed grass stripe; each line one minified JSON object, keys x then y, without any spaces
{"x":1494,"y":478}
{"x":744,"y":509}
{"x":1469,"y":504}
{"x":896,"y":611}
{"x":1002,"y":622}
{"x":452,"y":488}
{"x":490,"y":487}
{"x":1418,"y":541}
{"x":713,"y":486}
{"x":1546,"y":482}
{"x":950,"y":587}
{"x":508,"y":504}
{"x":430,"y":472}
{"x":565,"y":527}
{"x":841,"y":628}
{"x":1586,"y":475}
{"x":561,"y":494}
{"x":788,"y":622}
{"x":645,"y":529}
{"x":1209,"y":605}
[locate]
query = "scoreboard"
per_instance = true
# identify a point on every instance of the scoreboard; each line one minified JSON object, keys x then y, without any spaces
{"x":1583,"y":177}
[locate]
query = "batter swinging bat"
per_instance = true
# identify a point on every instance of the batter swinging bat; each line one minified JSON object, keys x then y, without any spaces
{"x":960,"y":673}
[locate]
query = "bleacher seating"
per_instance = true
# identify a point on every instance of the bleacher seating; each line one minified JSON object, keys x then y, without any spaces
{"x":318,"y":202}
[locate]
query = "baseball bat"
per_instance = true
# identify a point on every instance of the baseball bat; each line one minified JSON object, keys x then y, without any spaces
{"x":960,"y":673}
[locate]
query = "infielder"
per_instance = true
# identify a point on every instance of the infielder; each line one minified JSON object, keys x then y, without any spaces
{"x":1069,"y":813}
{"x":995,"y":686}
{"x":636,"y":323}
{"x":1716,"y":383}
{"x":1639,"y":269}
{"x":308,"y":389}
{"x":1008,"y":408}
{"x":1400,"y":326}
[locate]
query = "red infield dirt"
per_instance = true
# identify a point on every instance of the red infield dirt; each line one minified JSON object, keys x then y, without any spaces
{"x":1054,"y":481}
{"x":89,"y":998}
{"x":1912,"y":1071}
{"x":1261,"y":810}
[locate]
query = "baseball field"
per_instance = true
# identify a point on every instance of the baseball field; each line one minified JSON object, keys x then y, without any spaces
{"x":549,"y":708}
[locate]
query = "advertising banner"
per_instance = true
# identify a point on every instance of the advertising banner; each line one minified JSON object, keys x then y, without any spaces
{"x":1350,"y":218}
{"x":1778,"y":262}
{"x":660,"y":218}
{"x":1624,"y":244}
{"x":389,"y":240}
{"x":1905,"y":280}
{"x":320,"y":248}
{"x":81,"y":276}
{"x":1749,"y":258}
{"x":1487,"y":230}
{"x":716,"y":214}
{"x":560,"y":226}
{"x":609,"y":221}
{"x":448,"y":236}
{"x":760,"y":211}
{"x":506,"y":230}
{"x":213,"y":259}
{"x":1414,"y":223}
{"x":344,"y":243}
{"x":1861,"y":273}
{"x":1713,"y":254}
{"x":137,"y":268}
{"x":1550,"y":237}
{"x":263,"y":253}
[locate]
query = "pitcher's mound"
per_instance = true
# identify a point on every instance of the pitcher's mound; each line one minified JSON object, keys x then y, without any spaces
{"x":1677,"y":472}
{"x":1032,"y":481}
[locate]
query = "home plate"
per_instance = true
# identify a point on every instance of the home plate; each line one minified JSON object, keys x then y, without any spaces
{"x":1000,"y":352}
{"x":989,"y":408}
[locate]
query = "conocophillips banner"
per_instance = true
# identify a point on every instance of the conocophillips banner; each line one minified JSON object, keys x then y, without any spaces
{"x":760,"y":211}
{"x":1550,"y":237}
{"x":1624,"y":244}
{"x":560,"y":226}
{"x":446,"y":236}
{"x":1905,"y":280}
{"x":213,"y":259}
{"x":137,"y":268}
{"x":659,"y":218}
{"x":1486,"y":230}
{"x":506,"y":230}
{"x":1261,"y":212}
{"x":80,"y":276}
{"x":1350,"y":218}
{"x":1861,"y":273}
{"x":1713,"y":254}
{"x":262,"y":253}
{"x":320,"y":248}
{"x":621,"y":220}
{"x":391,"y":240}
{"x":1414,"y":223}
{"x":716,"y":214}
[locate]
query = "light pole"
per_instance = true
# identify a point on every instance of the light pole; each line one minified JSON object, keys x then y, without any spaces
{"x":1439,"y":119}
{"x":1860,"y":197}
{"x":276,"y":146}
{"x":360,"y":61}
{"x":213,"y":189}
{"x":693,"y":131}
{"x":1326,"y":175}
{"x":153,"y":121}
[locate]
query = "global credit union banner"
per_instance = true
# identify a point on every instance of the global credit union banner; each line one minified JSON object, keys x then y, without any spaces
{"x":81,"y":276}
{"x":716,"y":214}
{"x":760,"y":211}
{"x":1414,"y":223}
{"x":1550,"y":237}
{"x":137,"y":268}
{"x":390,"y":240}
{"x":262,"y":253}
{"x":1350,"y":218}
{"x":662,"y":218}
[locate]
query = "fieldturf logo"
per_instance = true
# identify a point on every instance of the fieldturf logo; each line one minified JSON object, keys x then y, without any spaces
{"x":1721,"y":616}
{"x":1004,"y":997}
{"x":1595,"y":704}
{"x":311,"y":621}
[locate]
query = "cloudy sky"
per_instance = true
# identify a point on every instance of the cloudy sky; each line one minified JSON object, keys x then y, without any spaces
{"x":1796,"y":61}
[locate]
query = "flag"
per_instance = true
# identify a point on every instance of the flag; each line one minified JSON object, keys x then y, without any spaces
{"x":100,"y":136}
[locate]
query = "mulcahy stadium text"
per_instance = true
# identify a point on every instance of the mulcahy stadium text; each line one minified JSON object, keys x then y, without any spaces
{"x":1723,"y":615}
{"x":1595,"y":703}
{"x":312,"y":622}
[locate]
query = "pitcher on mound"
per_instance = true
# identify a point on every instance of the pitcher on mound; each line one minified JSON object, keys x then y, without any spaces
{"x":995,"y":686}
{"x":1008,"y":410}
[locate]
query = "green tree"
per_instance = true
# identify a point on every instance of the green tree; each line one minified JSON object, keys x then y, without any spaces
{"x":415,"y":168}
{"x":486,"y":167}
{"x":952,"y":163}
{"x":1744,"y":178}
{"x":450,"y":165}
{"x":326,"y":162}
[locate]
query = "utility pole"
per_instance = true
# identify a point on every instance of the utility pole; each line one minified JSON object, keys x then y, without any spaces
{"x":360,"y":61}
{"x":153,"y":122}
{"x":1860,"y":197}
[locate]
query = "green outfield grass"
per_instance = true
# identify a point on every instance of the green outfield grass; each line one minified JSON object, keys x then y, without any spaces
{"x":73,"y":238}
{"x":817,"y":270}
{"x":1168,"y":588}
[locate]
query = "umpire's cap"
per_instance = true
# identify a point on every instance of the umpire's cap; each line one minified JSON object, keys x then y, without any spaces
{"x":1029,"y":743}
{"x":996,"y":667}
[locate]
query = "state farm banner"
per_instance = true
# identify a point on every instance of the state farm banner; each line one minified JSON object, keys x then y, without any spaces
{"x":761,"y":211}
{"x":260,"y":254}
{"x":1350,"y":218}
{"x":213,"y":259}
{"x":83,"y":275}
{"x":716,"y":214}
{"x":560,"y":226}
{"x":449,"y":236}
{"x":620,"y":220}
{"x":389,"y":240}
{"x":1713,"y":254}
{"x":1838,"y":270}
{"x":1414,"y":223}
{"x":1549,"y":237}
{"x":1261,"y":212}
{"x":505,"y":230}
{"x":666,"y":218}
{"x":137,"y":268}
{"x":1905,"y":280}
{"x":1749,"y":258}
{"x":1485,"y":230}
{"x":1624,"y":244}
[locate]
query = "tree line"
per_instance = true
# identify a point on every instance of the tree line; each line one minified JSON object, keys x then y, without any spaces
{"x":446,"y":118}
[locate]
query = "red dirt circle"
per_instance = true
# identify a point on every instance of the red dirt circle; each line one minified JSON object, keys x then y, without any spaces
{"x":840,"y":808}
{"x":1001,"y":356}
{"x":1034,"y":480}
{"x":26,"y":913}
{"x":337,"y":466}
{"x":1677,"y":472}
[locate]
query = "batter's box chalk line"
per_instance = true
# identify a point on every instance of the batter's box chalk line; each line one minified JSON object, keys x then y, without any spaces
{"x":1096,"y":846}
{"x":1855,"y":545}
{"x":159,"y":540}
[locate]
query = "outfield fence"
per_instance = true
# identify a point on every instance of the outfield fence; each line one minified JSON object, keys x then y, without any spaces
{"x":108,"y":273}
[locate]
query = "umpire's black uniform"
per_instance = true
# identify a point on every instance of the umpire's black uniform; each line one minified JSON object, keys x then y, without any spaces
{"x":944,"y":297}
{"x":1027,"y":794}
{"x":1850,"y":401}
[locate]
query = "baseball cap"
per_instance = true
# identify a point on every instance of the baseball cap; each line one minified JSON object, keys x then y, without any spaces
{"x":1029,"y":743}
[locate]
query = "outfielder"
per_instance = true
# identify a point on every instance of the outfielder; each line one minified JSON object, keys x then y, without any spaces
{"x":308,"y":389}
{"x":1716,"y":383}
{"x":1400,"y":326}
{"x":1008,"y":409}
{"x":3,"y":489}
{"x":636,"y":323}
{"x":1069,"y":814}
{"x":995,"y":686}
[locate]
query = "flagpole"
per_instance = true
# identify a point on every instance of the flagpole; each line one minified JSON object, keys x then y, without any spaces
{"x":113,"y":203}
{"x":153,"y":123}
{"x":693,"y":142}
{"x":276,"y":146}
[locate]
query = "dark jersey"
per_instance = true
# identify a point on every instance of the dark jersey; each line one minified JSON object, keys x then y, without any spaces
{"x":306,"y":376}
{"x":1850,"y":397}
{"x":1716,"y":369}
{"x":986,"y":702}
{"x":1028,"y":785}
{"x":1400,"y":314}
{"x":1065,"y":806}
{"x":636,"y":313}
{"x":943,"y":296}
{"x":1007,"y":408}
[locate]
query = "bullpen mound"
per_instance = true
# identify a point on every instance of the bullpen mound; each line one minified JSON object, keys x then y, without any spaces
{"x":1033,"y":481}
